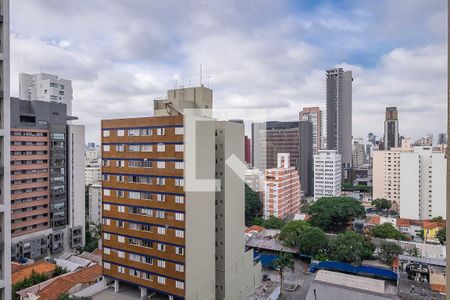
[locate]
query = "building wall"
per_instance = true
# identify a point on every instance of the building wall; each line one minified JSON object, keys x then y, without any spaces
{"x":30,"y":199}
{"x":327,"y":174}
{"x":339,"y":113}
{"x":386,"y":175}
{"x":5,"y":180}
{"x":314,"y":115}
{"x":133,"y":215}
{"x":92,"y":174}
{"x":95,"y":204}
{"x":410,"y":186}
{"x":305,"y":162}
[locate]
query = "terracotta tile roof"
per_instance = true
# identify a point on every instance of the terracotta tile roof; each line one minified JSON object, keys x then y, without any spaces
{"x":39,"y":267}
{"x":408,"y":222}
{"x":374,"y":220}
{"x":430,"y":225}
{"x":64,"y":283}
{"x":438,"y":287}
{"x":15,"y":267}
{"x":254,"y":228}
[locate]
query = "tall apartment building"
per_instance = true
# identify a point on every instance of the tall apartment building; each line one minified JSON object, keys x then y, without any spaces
{"x":248,"y":151}
{"x":327,"y":174}
{"x":339,"y":114}
{"x":5,"y":173}
{"x":386,"y":173}
{"x":281,"y":189}
{"x":93,"y":155}
{"x":95,"y":204}
{"x":271,"y":138}
{"x":305,"y":163}
{"x":442,"y":139}
{"x":254,"y":179}
{"x":47,"y":180}
{"x":172,"y":208}
{"x":92,"y":174}
{"x":46,"y":87}
{"x":358,"y":153}
{"x":314,"y":115}
{"x":422,"y":183}
{"x":391,"y":136}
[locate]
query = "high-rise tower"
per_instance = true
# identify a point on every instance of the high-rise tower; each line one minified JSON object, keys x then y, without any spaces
{"x":391,"y":137}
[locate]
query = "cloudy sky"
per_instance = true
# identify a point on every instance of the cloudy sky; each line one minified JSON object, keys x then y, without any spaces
{"x":255,"y":54}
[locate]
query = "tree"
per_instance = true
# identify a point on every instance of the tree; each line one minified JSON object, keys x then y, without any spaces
{"x":387,"y":231}
{"x":348,"y":246}
{"x":413,"y":252}
{"x":59,"y":271}
{"x":253,"y":205}
{"x":92,"y":235}
{"x":381,"y":204}
{"x":284,"y":260}
{"x":31,"y":280}
{"x":291,"y":231}
{"x":388,"y":251}
{"x":441,"y":235}
{"x":273,"y":223}
{"x":334,"y":213}
{"x":257,"y":221}
{"x":438,"y":219}
{"x":314,"y":242}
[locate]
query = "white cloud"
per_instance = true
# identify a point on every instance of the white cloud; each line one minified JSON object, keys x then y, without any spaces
{"x":123,"y":54}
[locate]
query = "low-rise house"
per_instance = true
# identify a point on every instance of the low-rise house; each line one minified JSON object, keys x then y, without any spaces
{"x":430,"y":230}
{"x":410,"y":227}
{"x":21,"y":272}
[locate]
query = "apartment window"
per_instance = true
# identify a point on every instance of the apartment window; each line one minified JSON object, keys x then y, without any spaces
{"x":134,"y":164}
{"x":134,"y":132}
{"x":160,"y":131}
{"x":121,"y":254}
{"x":160,"y":181}
{"x":179,"y":268}
{"x":134,"y":257}
{"x":160,"y":214}
{"x":106,"y":251}
{"x":120,"y":148}
{"x":161,"y":263}
{"x":134,"y":148}
{"x":105,"y":177}
{"x":105,"y":133}
{"x":146,"y":276}
{"x":120,"y":132}
{"x":179,"y":199}
{"x":134,"y":195}
{"x":106,"y":148}
{"x":106,"y":207}
{"x":179,"y":148}
{"x":146,"y":132}
{"x":106,"y":221}
{"x":161,"y":230}
{"x":179,"y":250}
{"x":107,"y":265}
{"x":161,"y":198}
{"x":179,"y":216}
{"x":147,"y":164}
{"x":161,"y":280}
{"x":147,"y":260}
{"x":161,"y":247}
{"x":121,"y":269}
{"x":161,"y":147}
{"x":179,"y":233}
{"x":146,"y":148}
{"x":120,"y":224}
{"x":179,"y":165}
{"x":146,"y":212}
{"x":120,"y":178}
{"x":106,"y":236}
{"x":161,"y":164}
{"x":120,"y":239}
{"x":135,"y":273}
{"x":120,"y":163}
{"x":179,"y":130}
{"x":179,"y":285}
{"x":146,"y":196}
{"x":120,"y":194}
{"x":105,"y":162}
{"x":179,"y":182}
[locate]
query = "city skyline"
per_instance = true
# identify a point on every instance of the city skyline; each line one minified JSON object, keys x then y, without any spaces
{"x":145,"y":55}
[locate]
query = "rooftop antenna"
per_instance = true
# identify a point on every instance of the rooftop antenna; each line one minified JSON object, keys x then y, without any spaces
{"x":201,"y":74}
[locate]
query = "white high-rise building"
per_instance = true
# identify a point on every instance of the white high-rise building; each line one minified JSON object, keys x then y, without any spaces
{"x":5,"y":174}
{"x":386,"y":173}
{"x":95,"y":204}
{"x":327,"y":174}
{"x":423,"y":176}
{"x":46,"y":87}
